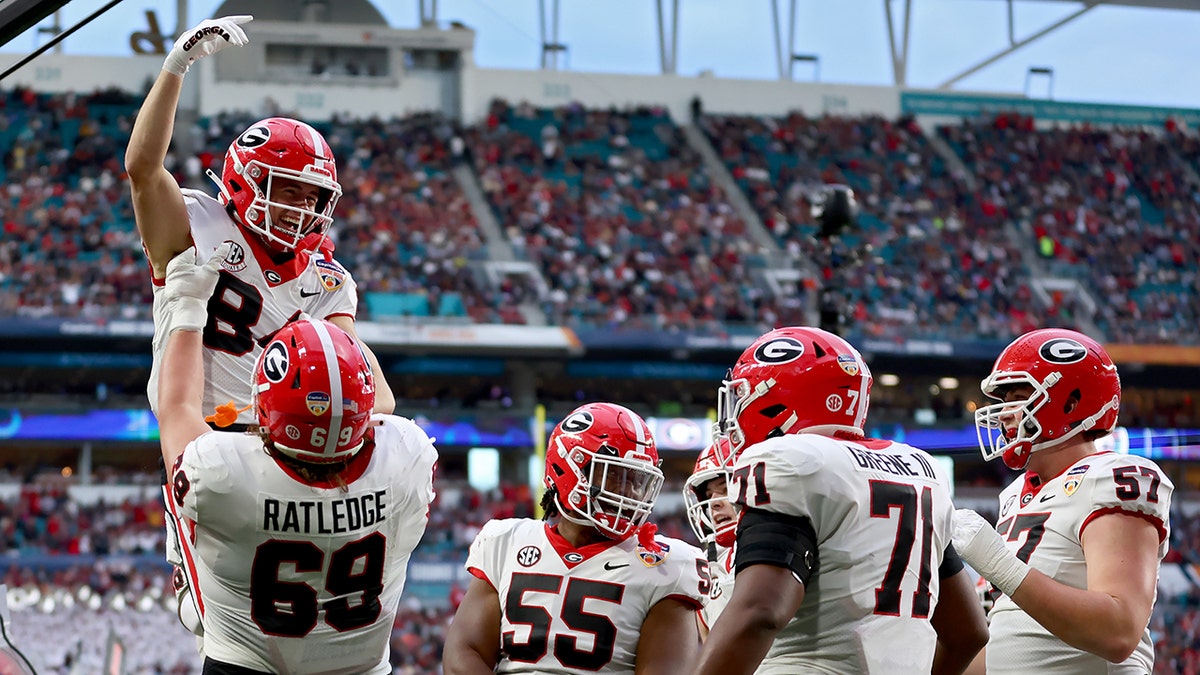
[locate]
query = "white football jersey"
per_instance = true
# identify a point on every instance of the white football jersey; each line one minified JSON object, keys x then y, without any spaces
{"x":883,"y":516}
{"x":1043,"y":525}
{"x":568,"y":610}
{"x":720,"y":573}
{"x":254,"y":298}
{"x":296,"y":577}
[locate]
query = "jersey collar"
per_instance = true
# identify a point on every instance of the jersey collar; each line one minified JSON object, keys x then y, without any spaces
{"x":570,"y":555}
{"x":1034,"y":483}
{"x":353,"y":471}
{"x":278,"y":268}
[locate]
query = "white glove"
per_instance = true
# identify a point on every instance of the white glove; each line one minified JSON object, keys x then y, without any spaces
{"x":983,"y":549}
{"x":209,"y":37}
{"x":188,"y":287}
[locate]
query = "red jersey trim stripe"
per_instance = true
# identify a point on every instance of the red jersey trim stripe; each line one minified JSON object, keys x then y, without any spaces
{"x":185,"y":546}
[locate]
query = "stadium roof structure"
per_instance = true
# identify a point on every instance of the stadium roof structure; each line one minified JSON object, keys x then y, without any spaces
{"x":17,"y":16}
{"x":784,"y":25}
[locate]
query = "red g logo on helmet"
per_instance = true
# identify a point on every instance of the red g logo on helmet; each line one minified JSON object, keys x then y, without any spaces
{"x":1062,"y":351}
{"x":254,"y":136}
{"x":792,"y":380}
{"x":1073,"y":388}
{"x":779,"y":350}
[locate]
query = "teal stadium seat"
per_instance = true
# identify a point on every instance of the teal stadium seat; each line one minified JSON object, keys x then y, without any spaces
{"x":382,"y":305}
{"x":451,"y":304}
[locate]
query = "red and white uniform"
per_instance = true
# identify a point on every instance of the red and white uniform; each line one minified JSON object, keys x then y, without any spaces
{"x":720,"y":572}
{"x":568,"y":610}
{"x":883,"y":516}
{"x":1043,"y":525}
{"x":297,"y":577}
{"x":253,"y":299}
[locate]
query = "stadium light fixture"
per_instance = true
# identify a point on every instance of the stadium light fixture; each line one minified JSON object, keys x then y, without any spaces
{"x":814,"y":59}
{"x":889,"y":380}
{"x":948,"y":383}
{"x":1039,"y":72}
{"x":550,"y":52}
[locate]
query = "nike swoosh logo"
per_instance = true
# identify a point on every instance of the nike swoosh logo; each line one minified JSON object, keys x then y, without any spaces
{"x":308,"y":294}
{"x":1045,"y":498}
{"x":610,"y":567}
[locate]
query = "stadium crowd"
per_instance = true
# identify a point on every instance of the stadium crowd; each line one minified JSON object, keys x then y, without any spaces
{"x":619,"y":214}
{"x":1116,"y":208}
{"x":928,"y":259}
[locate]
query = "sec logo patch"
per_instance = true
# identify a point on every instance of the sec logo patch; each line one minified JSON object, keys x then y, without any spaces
{"x":529,"y":556}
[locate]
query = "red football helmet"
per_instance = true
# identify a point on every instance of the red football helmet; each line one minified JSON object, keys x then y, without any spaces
{"x":314,"y":392}
{"x":791,"y":380}
{"x":603,"y":463}
{"x":713,"y":464}
{"x":271,"y":149}
{"x":1060,"y":365}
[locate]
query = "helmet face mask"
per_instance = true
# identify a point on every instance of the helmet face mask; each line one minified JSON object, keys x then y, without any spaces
{"x":1073,"y":388}
{"x":603,"y":463}
{"x":314,"y":392}
{"x":268,"y":156}
{"x":700,"y":502}
{"x":1008,"y":429}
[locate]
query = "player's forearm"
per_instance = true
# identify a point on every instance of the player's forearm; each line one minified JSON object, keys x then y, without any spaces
{"x":738,"y":642}
{"x":464,"y":661}
{"x":952,"y":659}
{"x":1092,"y":621}
{"x":180,"y":393}
{"x":151,"y":135}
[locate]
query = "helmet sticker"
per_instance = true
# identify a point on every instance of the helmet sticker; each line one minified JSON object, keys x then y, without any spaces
{"x":318,"y":402}
{"x":833,"y":403}
{"x":254,"y":137}
{"x":849,"y":364}
{"x":275,"y":362}
{"x":780,"y":350}
{"x":1062,"y":350}
{"x":292,"y":432}
{"x":578,"y":422}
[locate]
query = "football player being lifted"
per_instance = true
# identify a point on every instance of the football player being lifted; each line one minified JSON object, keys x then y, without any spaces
{"x":1081,"y":532}
{"x":714,"y":520}
{"x":594,"y":589}
{"x":843,"y":560}
{"x":277,"y":191}
{"x":295,"y":540}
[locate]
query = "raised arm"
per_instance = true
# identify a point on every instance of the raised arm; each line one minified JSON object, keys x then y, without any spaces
{"x":158,"y":206}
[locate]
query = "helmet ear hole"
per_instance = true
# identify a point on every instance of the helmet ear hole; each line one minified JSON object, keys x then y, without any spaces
{"x":773,"y":411}
{"x":1072,"y":401}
